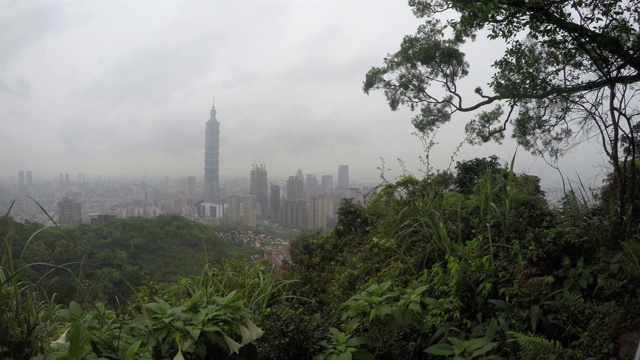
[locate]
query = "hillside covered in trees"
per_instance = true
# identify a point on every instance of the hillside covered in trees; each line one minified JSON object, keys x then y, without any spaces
{"x":102,"y":262}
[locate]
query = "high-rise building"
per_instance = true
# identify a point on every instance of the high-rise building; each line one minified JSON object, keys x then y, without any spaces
{"x":275,"y":198}
{"x":311,"y":186}
{"x":212,"y":157}
{"x":294,"y":212}
{"x":258,"y":185}
{"x":234,"y":211}
{"x":295,"y":187}
{"x":275,"y":202}
{"x":191,"y":187}
{"x":320,"y":212}
{"x":29,"y":178}
{"x":242,"y":210}
{"x":343,"y":176}
{"x":249,"y":211}
{"x":69,"y":213}
{"x":327,"y":183}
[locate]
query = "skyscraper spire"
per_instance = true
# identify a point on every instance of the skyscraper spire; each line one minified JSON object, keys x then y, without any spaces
{"x":213,"y":109}
{"x":212,"y":157}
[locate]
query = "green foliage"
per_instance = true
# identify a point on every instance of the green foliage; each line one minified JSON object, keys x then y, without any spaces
{"x":468,"y":172}
{"x":341,"y":346}
{"x":29,"y":319}
{"x":294,"y":327}
{"x":200,"y":319}
{"x":632,"y":260}
{"x":352,"y":219}
{"x":536,"y":347}
{"x":373,"y":304}
{"x":110,"y":258}
{"x":442,"y":273}
{"x":204,"y":326}
{"x":24,"y":310}
{"x":462,"y":349}
{"x":620,"y":195}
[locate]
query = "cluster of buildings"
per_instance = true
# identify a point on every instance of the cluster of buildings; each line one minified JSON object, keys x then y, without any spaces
{"x":71,"y":202}
{"x":276,"y":251}
{"x":300,"y":202}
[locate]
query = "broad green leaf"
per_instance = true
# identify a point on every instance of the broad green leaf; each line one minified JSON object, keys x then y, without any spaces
{"x":76,"y":310}
{"x":131,"y":351}
{"x":474,"y":344}
{"x":159,"y":308}
{"x":357,"y":341}
{"x":457,"y":343}
{"x":415,"y":307}
{"x":440,"y":349}
{"x":194,"y":332}
{"x":432,"y":302}
{"x":483,"y":350}
{"x":139,"y":321}
{"x":79,"y":341}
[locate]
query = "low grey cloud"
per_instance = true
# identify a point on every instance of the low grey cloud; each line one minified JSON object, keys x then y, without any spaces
{"x":22,"y":24}
{"x":19,"y":89}
{"x":149,"y":77}
{"x":122,"y":87}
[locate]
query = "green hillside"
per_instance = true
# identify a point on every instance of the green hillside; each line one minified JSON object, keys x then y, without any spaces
{"x":103,"y":258}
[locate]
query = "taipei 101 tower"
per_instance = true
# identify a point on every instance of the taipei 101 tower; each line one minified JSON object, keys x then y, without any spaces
{"x":211,"y":157}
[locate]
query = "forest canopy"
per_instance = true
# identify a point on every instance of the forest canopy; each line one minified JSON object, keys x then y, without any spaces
{"x":569,"y":74}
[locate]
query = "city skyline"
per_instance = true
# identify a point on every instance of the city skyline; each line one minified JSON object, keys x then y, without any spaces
{"x":301,"y":204}
{"x":82,"y":93}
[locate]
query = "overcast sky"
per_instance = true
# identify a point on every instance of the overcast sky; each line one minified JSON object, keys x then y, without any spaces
{"x":125,"y":87}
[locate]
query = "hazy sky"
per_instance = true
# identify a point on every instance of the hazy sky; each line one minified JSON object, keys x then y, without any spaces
{"x":124,"y":87}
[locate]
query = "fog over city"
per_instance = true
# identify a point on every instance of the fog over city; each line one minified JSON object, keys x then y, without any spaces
{"x":124,"y":88}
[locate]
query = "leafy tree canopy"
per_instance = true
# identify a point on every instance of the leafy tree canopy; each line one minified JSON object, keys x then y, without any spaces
{"x":470,"y":170}
{"x":568,"y":72}
{"x":108,"y":256}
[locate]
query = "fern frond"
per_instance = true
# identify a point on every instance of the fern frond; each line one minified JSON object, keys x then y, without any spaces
{"x":573,"y":301}
{"x":537,"y":347}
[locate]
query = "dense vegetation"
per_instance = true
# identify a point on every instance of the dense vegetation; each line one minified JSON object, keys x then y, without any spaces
{"x":474,"y":264}
{"x":102,"y":262}
{"x":425,"y":271}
